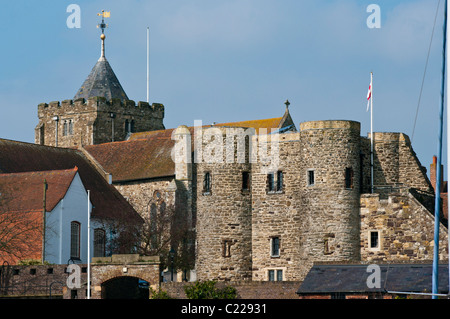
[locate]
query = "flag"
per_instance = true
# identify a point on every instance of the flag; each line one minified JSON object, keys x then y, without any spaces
{"x":369,"y":95}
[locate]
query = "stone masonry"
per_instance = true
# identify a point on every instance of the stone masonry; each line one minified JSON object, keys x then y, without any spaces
{"x":76,"y":123}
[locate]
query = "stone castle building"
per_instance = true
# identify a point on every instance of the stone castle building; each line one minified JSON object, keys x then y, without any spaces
{"x":306,"y":198}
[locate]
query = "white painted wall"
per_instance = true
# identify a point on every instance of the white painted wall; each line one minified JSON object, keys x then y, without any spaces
{"x":73,"y":207}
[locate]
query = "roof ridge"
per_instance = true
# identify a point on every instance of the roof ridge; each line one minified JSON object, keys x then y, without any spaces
{"x":75,"y":169}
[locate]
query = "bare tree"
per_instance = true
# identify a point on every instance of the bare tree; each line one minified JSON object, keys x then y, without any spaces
{"x":20,"y":233}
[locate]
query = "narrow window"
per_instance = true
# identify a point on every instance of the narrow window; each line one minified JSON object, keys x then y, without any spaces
{"x":71,"y":127}
{"x":99,"y":242}
{"x":245,"y":181}
{"x":275,"y":247}
{"x":279,"y":275}
{"x":270,"y":183}
{"x":279,"y":181}
{"x":310,"y":177}
{"x":374,"y":240}
{"x":65,"y":128}
{"x":207,"y":183}
{"x":271,"y":275}
{"x":127,"y":127}
{"x":348,"y":177}
{"x":226,"y":247}
{"x":75,"y":240}
{"x":131,"y":126}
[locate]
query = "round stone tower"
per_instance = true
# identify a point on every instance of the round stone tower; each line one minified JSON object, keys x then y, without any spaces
{"x":330,"y":188}
{"x":223,"y":204}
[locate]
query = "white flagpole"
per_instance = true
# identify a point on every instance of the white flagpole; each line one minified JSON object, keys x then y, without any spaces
{"x":371,"y":131}
{"x":89,"y":248}
{"x":148,"y":71}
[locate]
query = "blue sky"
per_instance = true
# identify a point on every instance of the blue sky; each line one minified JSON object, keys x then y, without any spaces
{"x":231,"y":60}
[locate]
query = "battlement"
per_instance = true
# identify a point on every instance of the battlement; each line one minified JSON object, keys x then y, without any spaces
{"x":330,"y":124}
{"x":102,"y":104}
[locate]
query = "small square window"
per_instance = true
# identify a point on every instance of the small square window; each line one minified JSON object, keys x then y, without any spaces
{"x":33,"y":271}
{"x":310,"y":178}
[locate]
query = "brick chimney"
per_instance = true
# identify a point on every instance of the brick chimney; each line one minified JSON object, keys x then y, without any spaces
{"x":433,"y":174}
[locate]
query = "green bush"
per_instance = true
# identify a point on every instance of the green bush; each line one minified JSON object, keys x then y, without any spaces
{"x":208,"y":290}
{"x":160,"y":294}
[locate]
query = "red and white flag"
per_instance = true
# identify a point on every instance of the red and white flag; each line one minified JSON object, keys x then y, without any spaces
{"x":369,"y":95}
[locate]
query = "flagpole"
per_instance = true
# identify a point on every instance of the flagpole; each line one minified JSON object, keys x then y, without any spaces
{"x":148,"y":71}
{"x":371,"y":132}
{"x":437,"y":207}
{"x":448,"y":138}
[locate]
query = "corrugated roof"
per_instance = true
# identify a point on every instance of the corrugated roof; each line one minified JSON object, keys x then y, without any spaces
{"x":23,"y":192}
{"x":16,"y":157}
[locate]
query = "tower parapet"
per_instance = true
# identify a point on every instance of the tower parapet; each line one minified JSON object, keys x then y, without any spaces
{"x":71,"y":123}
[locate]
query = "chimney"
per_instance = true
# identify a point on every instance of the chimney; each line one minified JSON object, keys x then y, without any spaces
{"x":433,"y":173}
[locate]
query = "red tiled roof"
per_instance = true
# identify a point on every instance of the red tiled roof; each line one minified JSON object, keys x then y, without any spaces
{"x":23,"y":192}
{"x":16,"y":157}
{"x":147,"y":155}
{"x":136,"y":159}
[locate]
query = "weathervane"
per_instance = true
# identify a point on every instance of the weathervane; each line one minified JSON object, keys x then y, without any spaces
{"x":104,"y":14}
{"x":103,"y":25}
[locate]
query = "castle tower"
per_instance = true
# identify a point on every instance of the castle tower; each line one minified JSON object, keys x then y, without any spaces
{"x":330,"y":189}
{"x":223,"y":204}
{"x":100,"y":111}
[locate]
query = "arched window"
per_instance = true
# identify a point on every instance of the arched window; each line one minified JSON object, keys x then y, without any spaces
{"x":99,"y":242}
{"x":75,"y":240}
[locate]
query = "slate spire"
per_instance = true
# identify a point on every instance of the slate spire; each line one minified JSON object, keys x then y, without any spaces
{"x":102,"y":80}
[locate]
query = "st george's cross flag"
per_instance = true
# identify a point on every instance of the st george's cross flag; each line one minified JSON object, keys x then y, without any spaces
{"x":369,"y":95}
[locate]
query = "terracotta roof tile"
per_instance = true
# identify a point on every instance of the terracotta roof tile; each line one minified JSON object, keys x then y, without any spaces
{"x":16,"y":157}
{"x":23,"y":192}
{"x":148,"y":154}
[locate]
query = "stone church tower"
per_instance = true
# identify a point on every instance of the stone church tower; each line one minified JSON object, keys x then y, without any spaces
{"x":100,"y":112}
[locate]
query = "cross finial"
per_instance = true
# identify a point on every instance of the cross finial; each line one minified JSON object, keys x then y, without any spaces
{"x":287,"y":103}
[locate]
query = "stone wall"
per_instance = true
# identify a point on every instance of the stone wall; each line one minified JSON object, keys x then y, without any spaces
{"x":405,"y":229}
{"x":245,"y":289}
{"x":223,"y":212}
{"x":94,"y":121}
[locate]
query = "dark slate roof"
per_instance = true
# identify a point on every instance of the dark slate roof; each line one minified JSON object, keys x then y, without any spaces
{"x":17,"y":157}
{"x":103,"y":82}
{"x":352,"y":278}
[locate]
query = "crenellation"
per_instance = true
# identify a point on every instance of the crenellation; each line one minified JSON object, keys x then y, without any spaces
{"x":95,"y":120}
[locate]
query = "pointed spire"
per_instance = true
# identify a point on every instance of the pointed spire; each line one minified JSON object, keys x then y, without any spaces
{"x":102,"y":81}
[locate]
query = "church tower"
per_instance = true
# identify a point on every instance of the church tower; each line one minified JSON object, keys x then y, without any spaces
{"x":100,"y":111}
